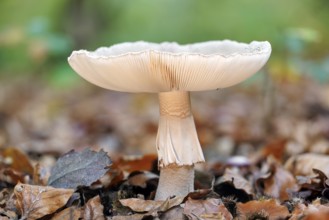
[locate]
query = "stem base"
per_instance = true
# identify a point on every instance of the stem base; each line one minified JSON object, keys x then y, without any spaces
{"x":175,"y":181}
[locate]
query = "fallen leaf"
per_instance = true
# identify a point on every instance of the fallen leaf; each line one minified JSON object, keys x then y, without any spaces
{"x":17,"y":160}
{"x":130,"y":164}
{"x":276,"y":182}
{"x":169,"y":203}
{"x":317,"y":216}
{"x":79,"y":169}
{"x":304,"y":164}
{"x":224,"y":212}
{"x":264,"y":209}
{"x":237,"y":179}
{"x":232,"y":184}
{"x":313,"y":187}
{"x":316,"y":212}
{"x":141,"y":205}
{"x":94,"y":209}
{"x":128,"y":217}
{"x":202,"y":194}
{"x":173,"y":213}
{"x":194,"y":209}
{"x":71,"y":213}
{"x":34,"y":202}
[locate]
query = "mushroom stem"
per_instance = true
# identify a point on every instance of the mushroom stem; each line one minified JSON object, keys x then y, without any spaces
{"x":177,"y":145}
{"x":175,"y":180}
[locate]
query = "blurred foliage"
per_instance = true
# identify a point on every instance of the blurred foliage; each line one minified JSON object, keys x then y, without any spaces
{"x":36,"y":37}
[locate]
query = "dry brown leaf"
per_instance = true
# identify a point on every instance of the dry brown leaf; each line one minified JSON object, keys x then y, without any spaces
{"x":225,"y":213}
{"x":94,"y":209}
{"x":127,"y":217}
{"x":169,"y":203}
{"x":317,"y":216}
{"x":71,"y":213}
{"x":317,"y":213}
{"x":212,"y":216}
{"x":37,"y":201}
{"x":141,"y":205}
{"x":201,"y":194}
{"x":17,"y":160}
{"x":310,"y":212}
{"x":131,"y":164}
{"x":173,"y":213}
{"x":270,"y":209}
{"x":276,"y":182}
{"x":239,"y":181}
{"x":194,"y":209}
{"x":304,"y":164}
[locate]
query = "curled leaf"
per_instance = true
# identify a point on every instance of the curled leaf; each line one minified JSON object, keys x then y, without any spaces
{"x":232,"y":184}
{"x":238,"y":180}
{"x":304,"y":164}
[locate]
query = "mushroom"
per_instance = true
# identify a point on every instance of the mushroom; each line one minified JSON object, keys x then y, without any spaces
{"x":172,"y":71}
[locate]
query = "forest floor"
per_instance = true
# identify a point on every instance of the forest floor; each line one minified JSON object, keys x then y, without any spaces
{"x":266,"y":153}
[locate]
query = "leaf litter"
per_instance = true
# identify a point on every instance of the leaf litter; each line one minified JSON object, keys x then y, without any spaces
{"x":279,"y":172}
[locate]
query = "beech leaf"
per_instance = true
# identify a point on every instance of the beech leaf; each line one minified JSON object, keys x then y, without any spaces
{"x":34,"y":202}
{"x":79,"y":169}
{"x":206,"y":209}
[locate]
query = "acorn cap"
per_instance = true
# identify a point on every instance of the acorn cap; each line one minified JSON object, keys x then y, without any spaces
{"x":150,"y":67}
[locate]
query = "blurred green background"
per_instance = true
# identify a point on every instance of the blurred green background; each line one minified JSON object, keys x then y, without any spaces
{"x":36,"y":37}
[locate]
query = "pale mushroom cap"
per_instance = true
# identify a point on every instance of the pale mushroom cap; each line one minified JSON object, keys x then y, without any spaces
{"x":164,"y":67}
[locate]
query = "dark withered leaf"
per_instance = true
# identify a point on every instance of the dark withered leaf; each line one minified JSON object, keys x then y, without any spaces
{"x":79,"y":169}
